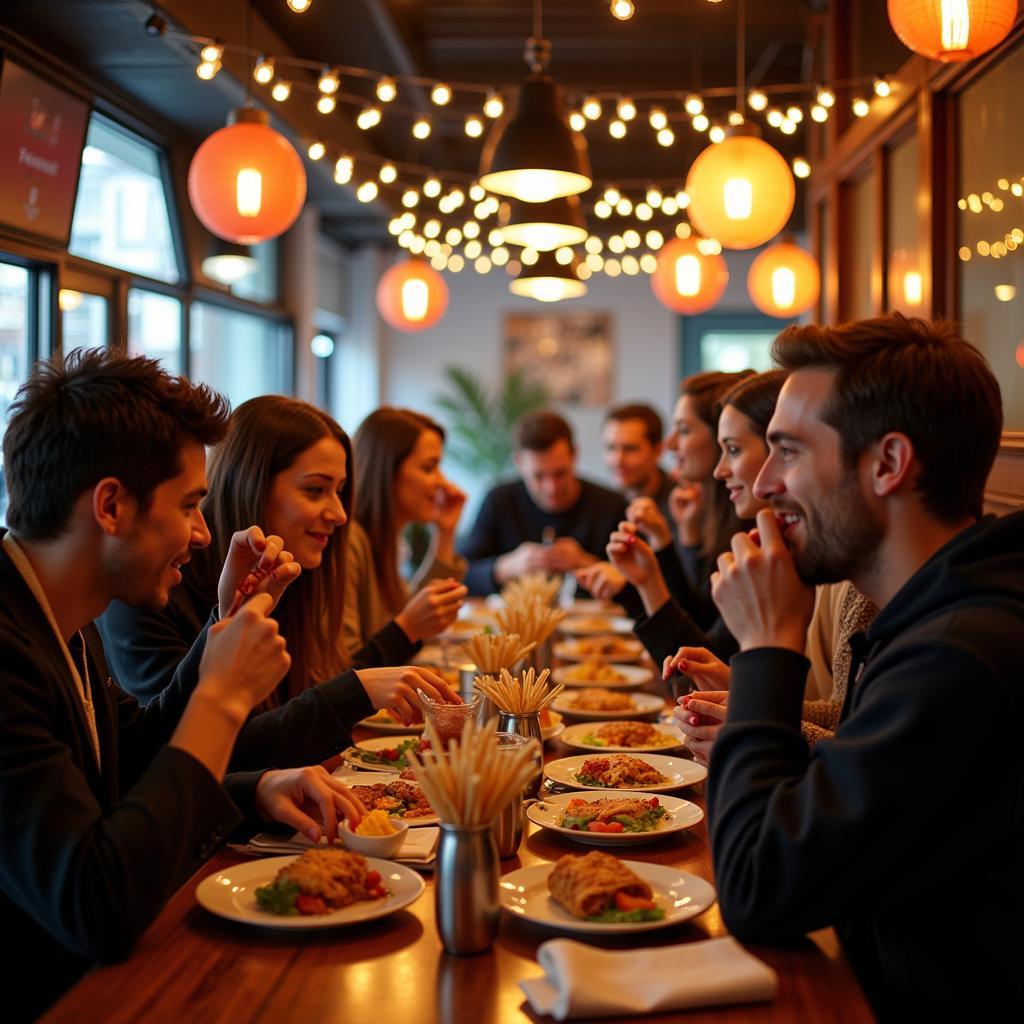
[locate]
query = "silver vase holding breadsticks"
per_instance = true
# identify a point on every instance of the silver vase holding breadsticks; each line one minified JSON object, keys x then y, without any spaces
{"x":527,"y":725}
{"x":466,"y":888}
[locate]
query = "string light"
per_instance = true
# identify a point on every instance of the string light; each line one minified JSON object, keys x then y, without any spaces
{"x":657,"y":118}
{"x":410,"y":197}
{"x":368,"y":117}
{"x":499,"y":256}
{"x":432,"y":228}
{"x":441,"y":94}
{"x":654,"y":239}
{"x":477,"y":192}
{"x":617,"y":244}
{"x":602,"y":209}
{"x":263,"y":70}
{"x":624,"y":207}
{"x":795,"y":114}
{"x":819,"y":113}
{"x":801,"y":168}
{"x":631,"y":238}
{"x":494,"y":105}
{"x":473,"y":249}
{"x":577,"y":122}
{"x":208,"y":69}
{"x":453,"y":236}
{"x":861,"y":108}
{"x":421,"y":128}
{"x":455,"y":263}
{"x":700,"y":123}
{"x":495,"y":237}
{"x":717,"y":134}
{"x":591,"y":108}
{"x":788,"y":127}
{"x":666,"y":137}
{"x":432,"y":188}
{"x":281,"y":90}
{"x":881,"y":86}
{"x":564,"y":256}
{"x":693,"y":105}
{"x":622,"y":9}
{"x":474,"y":126}
{"x":757,"y":100}
{"x":329,"y":82}
{"x":826,"y":97}
{"x":300,"y":6}
{"x":617,"y":129}
{"x":626,"y":109}
{"x":212,"y":53}
{"x":643,"y":211}
{"x":471,"y":229}
{"x":774,"y":117}
{"x":669,"y":206}
{"x":343,"y":168}
{"x":630,"y":265}
{"x":654,"y":197}
{"x":593,"y":245}
{"x":735,"y":118}
{"x":387,"y":173}
{"x":682,"y":199}
{"x":316,"y":150}
{"x":326,"y":104}
{"x":387,"y":89}
{"x":612,"y":195}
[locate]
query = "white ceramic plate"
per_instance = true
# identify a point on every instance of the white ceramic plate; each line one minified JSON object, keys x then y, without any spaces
{"x":679,"y":770}
{"x":576,"y":650}
{"x":634,"y":676}
{"x":679,"y":816}
{"x":596,"y":625}
{"x":643,"y":704}
{"x":380,"y":778}
{"x":375,"y":744}
{"x":574,"y":737}
{"x":550,"y":732}
{"x":462,"y":629}
{"x":524,"y":894}
{"x":391,"y":728}
{"x":592,"y":606}
{"x":231,"y":893}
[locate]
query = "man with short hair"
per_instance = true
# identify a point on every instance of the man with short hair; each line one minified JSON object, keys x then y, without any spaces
{"x":549,"y":520}
{"x":105,"y":807}
{"x":632,"y":439}
{"x":880,"y":447}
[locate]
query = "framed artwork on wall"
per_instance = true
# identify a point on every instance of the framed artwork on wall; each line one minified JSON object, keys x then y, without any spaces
{"x":570,"y":354}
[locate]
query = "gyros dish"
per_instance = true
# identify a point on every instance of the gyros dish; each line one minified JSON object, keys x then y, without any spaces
{"x":320,"y":881}
{"x":619,"y":771}
{"x":628,"y":734}
{"x":399,"y":799}
{"x":598,"y":700}
{"x":592,"y":672}
{"x":613,"y":814}
{"x":599,"y":887}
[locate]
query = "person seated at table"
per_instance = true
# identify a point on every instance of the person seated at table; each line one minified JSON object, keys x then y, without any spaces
{"x":880,"y":447}
{"x":398,"y":456}
{"x":549,"y":520}
{"x":284,"y":463}
{"x":632,"y":438}
{"x":106,"y":808}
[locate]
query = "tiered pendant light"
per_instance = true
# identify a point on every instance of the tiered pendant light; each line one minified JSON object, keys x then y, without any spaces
{"x":543,"y":226}
{"x":952,"y":31}
{"x":228,"y":262}
{"x":547,"y":280}
{"x":246,"y":183}
{"x":412,"y":296}
{"x":686,"y":280}
{"x":784,"y":281}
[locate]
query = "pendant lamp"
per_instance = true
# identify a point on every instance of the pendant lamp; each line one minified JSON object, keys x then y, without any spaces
{"x":246,"y":183}
{"x":685,"y":279}
{"x":741,"y":190}
{"x":412,"y":296}
{"x":547,"y":280}
{"x":543,"y":226}
{"x":227,"y":262}
{"x":951,"y":31}
{"x":784,"y":280}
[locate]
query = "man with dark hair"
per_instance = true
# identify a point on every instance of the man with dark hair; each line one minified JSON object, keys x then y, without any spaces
{"x":880,"y":447}
{"x":549,"y":520}
{"x":105,"y":807}
{"x":633,"y":442}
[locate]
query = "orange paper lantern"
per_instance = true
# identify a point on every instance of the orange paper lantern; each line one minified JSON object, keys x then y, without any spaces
{"x":412,"y":296}
{"x":685,"y":279}
{"x":741,"y":192}
{"x":784,"y":281}
{"x":951,"y":31}
{"x":246,"y":183}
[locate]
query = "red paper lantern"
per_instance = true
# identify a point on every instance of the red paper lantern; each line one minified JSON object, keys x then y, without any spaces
{"x":686,"y":280}
{"x":784,"y":280}
{"x":246,"y":183}
{"x":951,"y":30}
{"x":412,"y":296}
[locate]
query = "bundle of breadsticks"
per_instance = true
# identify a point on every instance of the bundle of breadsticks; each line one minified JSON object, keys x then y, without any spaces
{"x":531,"y":618}
{"x":491,"y":652}
{"x":513,"y":695}
{"x":531,"y":584}
{"x":470,"y":781}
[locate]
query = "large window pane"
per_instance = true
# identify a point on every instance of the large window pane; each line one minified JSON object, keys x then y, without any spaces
{"x":122,"y":213}
{"x":83,"y":320}
{"x":905,"y":284}
{"x":260,"y":286}
{"x":990,"y":149}
{"x":14,"y":347}
{"x":730,"y":351}
{"x":240,"y":354}
{"x":858,"y":212}
{"x":154,"y":327}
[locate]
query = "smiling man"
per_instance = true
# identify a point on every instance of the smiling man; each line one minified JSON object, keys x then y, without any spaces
{"x":633,"y":444}
{"x":880,"y":447}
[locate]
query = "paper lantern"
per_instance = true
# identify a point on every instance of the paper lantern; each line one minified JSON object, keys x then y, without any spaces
{"x":951,"y":31}
{"x":412,"y":296}
{"x":784,"y":281}
{"x":686,"y":280}
{"x":246,"y":183}
{"x":906,"y":283}
{"x":741,"y":192}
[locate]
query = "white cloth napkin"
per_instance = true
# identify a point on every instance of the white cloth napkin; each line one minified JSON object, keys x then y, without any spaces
{"x":583,"y":981}
{"x":419,"y":848}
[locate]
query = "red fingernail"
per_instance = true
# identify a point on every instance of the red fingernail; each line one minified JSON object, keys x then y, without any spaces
{"x":694,"y":719}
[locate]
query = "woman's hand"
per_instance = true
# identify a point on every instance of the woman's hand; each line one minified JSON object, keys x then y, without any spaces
{"x":432,"y":609}
{"x":255,"y":564}
{"x":309,"y":799}
{"x":700,"y":719}
{"x":450,"y":501}
{"x":633,"y":557}
{"x":395,"y":688}
{"x":645,"y":514}
{"x":601,"y":579}
{"x":686,"y":506}
{"x":707,"y":671}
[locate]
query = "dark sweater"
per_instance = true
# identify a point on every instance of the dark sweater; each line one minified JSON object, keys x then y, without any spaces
{"x":508,"y":516}
{"x":905,"y":830}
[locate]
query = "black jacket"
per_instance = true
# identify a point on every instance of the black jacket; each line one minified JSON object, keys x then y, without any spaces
{"x":906,"y":830}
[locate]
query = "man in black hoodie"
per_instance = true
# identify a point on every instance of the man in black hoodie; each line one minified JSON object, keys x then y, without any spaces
{"x":905,"y":831}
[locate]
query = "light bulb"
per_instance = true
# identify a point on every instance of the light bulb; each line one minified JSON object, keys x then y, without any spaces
{"x":819,"y":113}
{"x":494,"y":105}
{"x":316,"y":150}
{"x":643,"y":211}
{"x":591,"y":108}
{"x":211,"y":53}
{"x":666,"y":137}
{"x":441,"y":94}
{"x":757,"y":100}
{"x":775,"y":117}
{"x":861,"y":107}
{"x":415,"y":299}
{"x":717,"y":134}
{"x":735,"y":118}
{"x":794,"y":114}
{"x":669,"y":206}
{"x":477,"y":192}
{"x":701,"y":123}
{"x":738,"y":197}
{"x":687,"y":275}
{"x":657,"y":118}
{"x":387,"y":89}
{"x":432,"y":188}
{"x":602,"y":209}
{"x":913,"y":288}
{"x":881,"y":86}
{"x":654,"y":240}
{"x":328,"y":82}
{"x":367,"y":192}
{"x":631,"y":238}
{"x":299,"y":6}
{"x":694,"y":105}
{"x":387,"y":173}
{"x":617,"y":129}
{"x":626,"y":109}
{"x":471,"y":229}
{"x":410,"y":197}
{"x":826,"y":97}
{"x":612,"y":195}
{"x":801,"y":168}
{"x":474,"y":127}
{"x":263,"y":70}
{"x":654,"y":197}
{"x":622,"y":9}
{"x":369,"y":117}
{"x":577,"y":122}
{"x":783,"y":287}
{"x":326,"y":104}
{"x":281,"y":90}
{"x":624,"y":207}
{"x":432,"y":228}
{"x":248,"y":192}
{"x":208,"y":69}
{"x":788,"y":127}
{"x":421,"y":128}
{"x":343,"y":168}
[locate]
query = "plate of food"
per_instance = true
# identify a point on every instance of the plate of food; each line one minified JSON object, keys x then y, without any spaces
{"x":598,"y":893}
{"x":603,"y":673}
{"x":383,"y":754}
{"x":592,"y":606}
{"x":551,"y":724}
{"x":598,"y":703}
{"x":622,"y":736}
{"x":386,"y":721}
{"x":463,"y":629}
{"x":598,"y":820}
{"x":599,"y":648}
{"x":652,"y":773}
{"x":320,"y":888}
{"x":401,"y":798}
{"x":595,"y":625}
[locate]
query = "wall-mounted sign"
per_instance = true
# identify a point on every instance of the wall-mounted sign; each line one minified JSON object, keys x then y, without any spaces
{"x":42,"y":129}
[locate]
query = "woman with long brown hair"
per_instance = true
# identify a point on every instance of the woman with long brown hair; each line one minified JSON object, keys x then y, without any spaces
{"x":286,"y":465}
{"x":398,"y":463}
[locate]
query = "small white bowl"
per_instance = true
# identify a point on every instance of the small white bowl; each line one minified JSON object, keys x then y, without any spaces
{"x":375,"y":846}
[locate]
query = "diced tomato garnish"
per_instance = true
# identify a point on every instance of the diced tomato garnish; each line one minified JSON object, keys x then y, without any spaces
{"x":623,"y":901}
{"x":372,"y":878}
{"x":390,"y":754}
{"x":596,"y":826}
{"x":424,"y":744}
{"x":310,"y":904}
{"x":376,"y":893}
{"x":654,"y":801}
{"x":614,"y":826}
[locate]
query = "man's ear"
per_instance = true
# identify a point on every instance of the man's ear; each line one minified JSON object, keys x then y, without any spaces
{"x":112,"y":507}
{"x":893,"y":463}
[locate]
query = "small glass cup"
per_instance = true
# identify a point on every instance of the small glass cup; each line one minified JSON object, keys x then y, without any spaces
{"x":448,"y":719}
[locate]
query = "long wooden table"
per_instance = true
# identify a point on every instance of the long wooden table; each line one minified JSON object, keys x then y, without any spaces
{"x":192,"y":967}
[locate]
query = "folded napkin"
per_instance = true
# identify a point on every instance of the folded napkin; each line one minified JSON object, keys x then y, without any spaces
{"x":583,"y":981}
{"x":418,"y":850}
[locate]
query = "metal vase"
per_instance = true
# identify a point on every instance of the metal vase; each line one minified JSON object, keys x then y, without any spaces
{"x":528,"y":726}
{"x":466,"y":888}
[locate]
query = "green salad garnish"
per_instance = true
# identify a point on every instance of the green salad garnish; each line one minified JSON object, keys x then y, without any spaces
{"x":279,"y":897}
{"x":628,"y":916}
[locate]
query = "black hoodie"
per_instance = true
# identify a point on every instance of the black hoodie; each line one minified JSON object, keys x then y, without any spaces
{"x":906,"y":830}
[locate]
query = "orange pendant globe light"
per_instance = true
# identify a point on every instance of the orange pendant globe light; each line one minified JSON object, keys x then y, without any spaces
{"x":685,"y":279}
{"x":246,"y":183}
{"x":951,"y":31}
{"x":784,"y":280}
{"x":412,"y":296}
{"x":741,"y":191}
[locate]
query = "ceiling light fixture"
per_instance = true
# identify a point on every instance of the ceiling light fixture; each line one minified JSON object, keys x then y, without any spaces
{"x":547,"y":280}
{"x":543,"y":226}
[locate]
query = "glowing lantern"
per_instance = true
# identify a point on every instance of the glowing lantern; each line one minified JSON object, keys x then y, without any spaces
{"x":685,"y":279}
{"x":411,"y":296}
{"x":741,"y":191}
{"x":906,"y":285}
{"x":246,"y":183}
{"x":784,"y":281}
{"x":951,"y":31}
{"x":547,"y":279}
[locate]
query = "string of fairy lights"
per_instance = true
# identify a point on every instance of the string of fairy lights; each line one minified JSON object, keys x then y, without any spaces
{"x":976,"y":203}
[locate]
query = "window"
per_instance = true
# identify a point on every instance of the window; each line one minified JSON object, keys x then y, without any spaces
{"x":858,"y":205}
{"x":239,"y":354}
{"x":15,"y":345}
{"x":122,"y":215}
{"x":728,"y":342}
{"x":83,"y":320}
{"x":905,"y":289}
{"x":261,"y":285}
{"x":154,"y":327}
